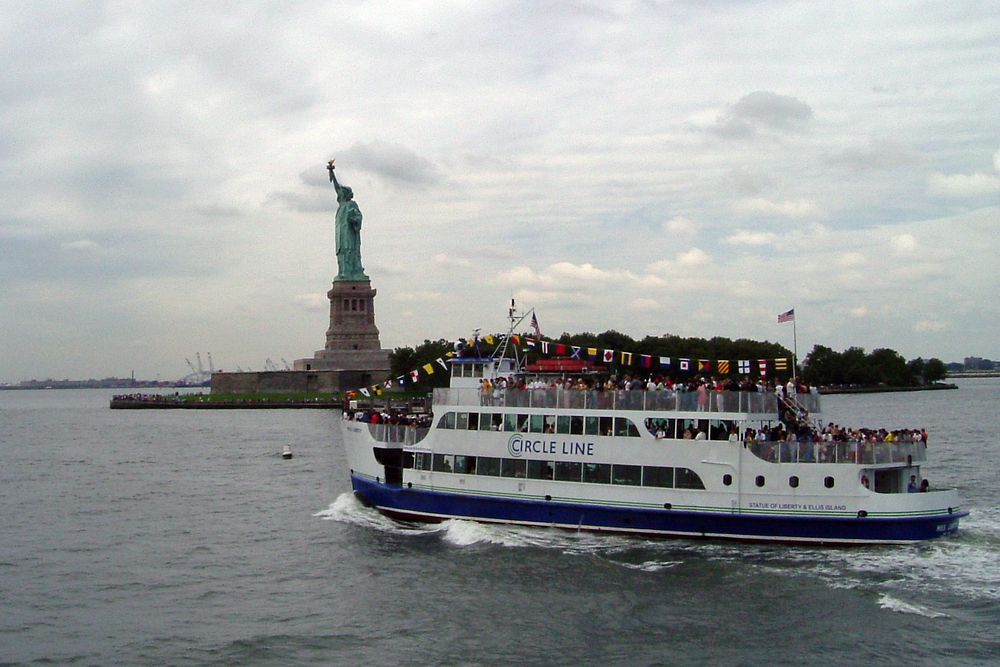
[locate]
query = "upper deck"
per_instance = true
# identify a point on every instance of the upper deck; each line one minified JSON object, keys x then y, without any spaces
{"x":729,"y":402}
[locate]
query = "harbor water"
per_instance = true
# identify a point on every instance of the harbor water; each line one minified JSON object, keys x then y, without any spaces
{"x":182,"y":537}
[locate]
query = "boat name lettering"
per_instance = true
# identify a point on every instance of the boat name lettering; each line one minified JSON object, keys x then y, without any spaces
{"x":519,"y":445}
{"x":795,"y":506}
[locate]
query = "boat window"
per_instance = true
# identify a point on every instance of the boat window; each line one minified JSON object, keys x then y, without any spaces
{"x":606,"y":423}
{"x":759,"y":480}
{"x":626,"y":474}
{"x":513,"y":467}
{"x":550,"y":424}
{"x":591,"y":426}
{"x":685,"y":478}
{"x":597,"y":473}
{"x":567,"y":471}
{"x":447,"y":420}
{"x":540,"y":469}
{"x":462,"y":421}
{"x":537,"y":423}
{"x":522,"y":423}
{"x":793,"y":481}
{"x":477,"y":370}
{"x":727,"y":479}
{"x":443,"y":463}
{"x":576,"y":425}
{"x":488,"y":465}
{"x":510,"y":422}
{"x":718,"y":429}
{"x":473,"y":421}
{"x":625,"y":427}
{"x":497,"y":422}
{"x":828,"y":482}
{"x":422,"y":460}
{"x":465,"y":464}
{"x":562,"y":424}
{"x":658,"y":476}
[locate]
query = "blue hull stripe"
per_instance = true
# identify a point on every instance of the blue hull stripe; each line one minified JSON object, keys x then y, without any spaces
{"x":423,"y":505}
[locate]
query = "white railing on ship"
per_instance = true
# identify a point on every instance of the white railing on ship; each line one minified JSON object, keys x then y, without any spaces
{"x":862,"y":452}
{"x":400,"y":434}
{"x":742,"y":402}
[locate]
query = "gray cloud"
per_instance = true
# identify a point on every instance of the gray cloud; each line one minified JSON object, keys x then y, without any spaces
{"x":392,"y":161}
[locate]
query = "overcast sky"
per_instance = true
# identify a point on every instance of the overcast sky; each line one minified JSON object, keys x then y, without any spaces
{"x":692,"y":168}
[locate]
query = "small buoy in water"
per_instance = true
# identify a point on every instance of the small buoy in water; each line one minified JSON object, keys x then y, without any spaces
{"x":286,"y":453}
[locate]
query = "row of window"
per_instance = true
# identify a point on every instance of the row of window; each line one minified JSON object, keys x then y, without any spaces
{"x":793,"y":481}
{"x":354,"y":304}
{"x":525,"y":423}
{"x":560,"y":471}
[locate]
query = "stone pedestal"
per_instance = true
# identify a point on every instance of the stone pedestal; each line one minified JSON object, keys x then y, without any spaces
{"x":352,"y":341}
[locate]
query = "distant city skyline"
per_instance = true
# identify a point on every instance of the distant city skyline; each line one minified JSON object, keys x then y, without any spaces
{"x":691,"y":168}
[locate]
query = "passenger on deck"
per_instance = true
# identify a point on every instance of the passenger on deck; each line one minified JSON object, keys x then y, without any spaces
{"x":925,"y":486}
{"x":912,"y":486}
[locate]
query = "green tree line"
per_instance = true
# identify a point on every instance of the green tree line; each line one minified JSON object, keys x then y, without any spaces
{"x":823,"y":366}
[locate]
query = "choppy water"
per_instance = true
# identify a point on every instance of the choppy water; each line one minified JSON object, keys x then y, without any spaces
{"x":182,"y":537}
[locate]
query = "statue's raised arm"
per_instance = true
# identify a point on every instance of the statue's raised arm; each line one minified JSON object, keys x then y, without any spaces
{"x":333,"y":179}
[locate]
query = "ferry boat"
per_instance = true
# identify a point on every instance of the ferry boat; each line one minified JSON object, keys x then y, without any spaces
{"x":648,"y":462}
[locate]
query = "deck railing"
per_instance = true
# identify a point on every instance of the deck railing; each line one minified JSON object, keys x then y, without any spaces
{"x":860,"y":452}
{"x":741,"y":402}
{"x":400,"y":434}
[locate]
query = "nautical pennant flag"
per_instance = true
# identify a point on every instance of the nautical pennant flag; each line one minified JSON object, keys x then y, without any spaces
{"x":609,"y":356}
{"x":387,"y":384}
{"x":377,"y":389}
{"x":516,"y":339}
{"x":545,"y":347}
{"x":665,"y":362}
{"x":763,"y":367}
{"x":560,"y":349}
{"x":787,"y":316}
{"x":429,"y":368}
{"x":401,"y":379}
{"x":626,"y":358}
{"x":592,"y":352}
{"x":490,"y":340}
{"x":704,"y":366}
{"x":530,"y":342}
{"x":365,"y":392}
{"x":781,"y":364}
{"x":685,"y":365}
{"x":744,"y":366}
{"x":442,"y":363}
{"x":534,"y":325}
{"x":415,"y":374}
{"x":723,"y":366}
{"x":576,"y":351}
{"x":645,"y":360}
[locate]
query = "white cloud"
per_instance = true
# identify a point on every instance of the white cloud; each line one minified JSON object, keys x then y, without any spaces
{"x":962,"y":185}
{"x":758,"y":206}
{"x":903,"y":244}
{"x":930,"y":326}
{"x":745,"y":237}
{"x":680,"y":228}
{"x":81,"y":245}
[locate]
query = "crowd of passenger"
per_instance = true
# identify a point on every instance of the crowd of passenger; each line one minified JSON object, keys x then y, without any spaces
{"x":698,"y":384}
{"x":393,"y":418}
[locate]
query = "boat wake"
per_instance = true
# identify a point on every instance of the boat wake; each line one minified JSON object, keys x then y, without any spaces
{"x":886,"y":601}
{"x":967,"y":565}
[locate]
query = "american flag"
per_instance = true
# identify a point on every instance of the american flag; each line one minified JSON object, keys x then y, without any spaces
{"x":534,"y":325}
{"x":787,"y":316}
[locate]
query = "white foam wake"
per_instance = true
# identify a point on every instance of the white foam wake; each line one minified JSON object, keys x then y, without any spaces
{"x":894,"y":604}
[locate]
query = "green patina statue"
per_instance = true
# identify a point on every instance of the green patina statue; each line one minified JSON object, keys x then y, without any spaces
{"x":348,"y":232}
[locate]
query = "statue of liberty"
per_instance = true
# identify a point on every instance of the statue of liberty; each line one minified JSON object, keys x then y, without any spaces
{"x":348,"y":232}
